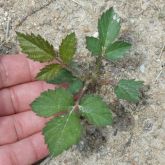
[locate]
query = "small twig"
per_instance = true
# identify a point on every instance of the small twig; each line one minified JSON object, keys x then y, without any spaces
{"x":7,"y":28}
{"x":31,"y":13}
{"x":76,"y":2}
{"x":160,"y":55}
{"x":161,"y":52}
{"x":157,"y":77}
{"x":3,"y":42}
{"x":85,"y":6}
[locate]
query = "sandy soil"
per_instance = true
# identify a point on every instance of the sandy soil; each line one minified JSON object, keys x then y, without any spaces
{"x":138,"y":137}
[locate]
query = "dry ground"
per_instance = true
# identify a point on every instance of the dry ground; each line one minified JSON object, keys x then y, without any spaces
{"x":141,"y":141}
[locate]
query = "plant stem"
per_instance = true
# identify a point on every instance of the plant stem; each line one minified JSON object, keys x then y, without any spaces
{"x":87,"y":82}
{"x":98,"y":66}
{"x":82,"y":93}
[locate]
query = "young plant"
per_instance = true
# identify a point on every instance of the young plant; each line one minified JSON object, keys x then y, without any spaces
{"x":69,"y":105}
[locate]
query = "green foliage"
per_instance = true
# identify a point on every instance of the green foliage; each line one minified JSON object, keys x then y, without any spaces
{"x":49,"y":71}
{"x":63,"y":76}
{"x":52,"y":102}
{"x":117,"y":50}
{"x":62,"y":132}
{"x":108,"y":27}
{"x":93,"y":45}
{"x":129,"y":90}
{"x":68,"y":48}
{"x":105,"y":45}
{"x":37,"y":48}
{"x":95,"y":110}
{"x":75,"y":86}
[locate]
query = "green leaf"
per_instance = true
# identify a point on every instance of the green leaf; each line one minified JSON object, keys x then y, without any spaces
{"x":129,"y":90}
{"x":62,"y":132}
{"x":63,"y":76}
{"x":36,"y":47}
{"x":68,"y":48}
{"x":108,"y":27}
{"x":49,"y":71}
{"x":52,"y":102}
{"x":75,"y":86}
{"x":93,"y":45}
{"x":117,"y":50}
{"x":95,"y":110}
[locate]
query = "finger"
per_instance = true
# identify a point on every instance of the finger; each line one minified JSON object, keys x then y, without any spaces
{"x":24,"y":152}
{"x":19,"y":126}
{"x":18,"y":98}
{"x":17,"y":69}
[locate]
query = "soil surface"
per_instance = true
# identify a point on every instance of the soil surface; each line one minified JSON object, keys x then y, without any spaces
{"x":138,"y":134}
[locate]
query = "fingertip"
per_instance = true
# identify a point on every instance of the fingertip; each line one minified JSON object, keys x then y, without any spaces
{"x":26,"y":151}
{"x":40,"y":146}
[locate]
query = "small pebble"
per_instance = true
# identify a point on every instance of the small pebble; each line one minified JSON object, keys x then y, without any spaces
{"x":142,"y":68}
{"x":96,"y":34}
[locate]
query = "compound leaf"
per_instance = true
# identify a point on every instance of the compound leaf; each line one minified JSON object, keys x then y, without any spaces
{"x":117,"y":50}
{"x":68,"y":48}
{"x":62,"y":132}
{"x":75,"y":86}
{"x":36,"y":47}
{"x":108,"y":27}
{"x":95,"y":110}
{"x":49,"y":72}
{"x":129,"y":90}
{"x":63,"y":76}
{"x":93,"y":45}
{"x":52,"y":102}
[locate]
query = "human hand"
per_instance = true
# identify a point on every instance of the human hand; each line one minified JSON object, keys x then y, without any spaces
{"x":21,"y":141}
